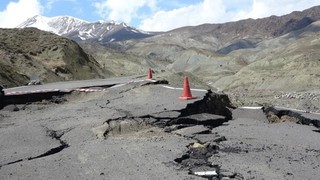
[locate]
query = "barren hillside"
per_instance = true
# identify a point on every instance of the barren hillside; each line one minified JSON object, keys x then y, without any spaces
{"x":28,"y":53}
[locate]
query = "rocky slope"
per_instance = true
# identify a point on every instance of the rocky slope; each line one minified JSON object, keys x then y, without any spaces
{"x":121,"y":63}
{"x":226,"y":37}
{"x":29,"y":53}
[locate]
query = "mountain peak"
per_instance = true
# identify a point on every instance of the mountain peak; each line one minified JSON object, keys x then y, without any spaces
{"x":37,"y":21}
{"x":58,"y":24}
{"x":80,"y":30}
{"x":66,"y":17}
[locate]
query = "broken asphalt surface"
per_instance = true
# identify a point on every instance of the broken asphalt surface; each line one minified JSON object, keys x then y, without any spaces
{"x":66,"y":140}
{"x":141,"y":130}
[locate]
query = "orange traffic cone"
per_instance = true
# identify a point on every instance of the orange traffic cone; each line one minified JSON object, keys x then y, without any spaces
{"x":150,"y":74}
{"x":186,"y":94}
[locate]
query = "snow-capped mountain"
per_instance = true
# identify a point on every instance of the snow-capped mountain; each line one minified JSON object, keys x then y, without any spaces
{"x":80,"y":30}
{"x":59,"y":25}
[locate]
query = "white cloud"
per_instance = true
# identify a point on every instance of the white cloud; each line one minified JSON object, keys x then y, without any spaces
{"x":216,"y":11}
{"x":264,"y":8}
{"x":122,"y":10}
{"x":17,"y":12}
{"x":203,"y":12}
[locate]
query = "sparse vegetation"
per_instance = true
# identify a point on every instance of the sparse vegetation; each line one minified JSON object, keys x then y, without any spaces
{"x":24,"y":52}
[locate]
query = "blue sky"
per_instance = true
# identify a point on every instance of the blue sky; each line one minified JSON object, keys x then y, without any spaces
{"x":151,"y":15}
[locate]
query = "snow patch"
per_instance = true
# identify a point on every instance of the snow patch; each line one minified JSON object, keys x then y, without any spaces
{"x":39,"y":22}
{"x":111,"y":40}
{"x":124,"y":24}
{"x":135,"y":31}
{"x":82,"y":38}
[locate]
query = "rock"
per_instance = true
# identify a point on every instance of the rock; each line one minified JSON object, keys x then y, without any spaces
{"x":101,"y":131}
{"x":272,"y":117}
{"x":192,"y":131}
{"x":203,"y":138}
{"x":197,"y":145}
{"x":286,"y":118}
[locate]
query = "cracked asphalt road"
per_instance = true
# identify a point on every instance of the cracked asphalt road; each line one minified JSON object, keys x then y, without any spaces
{"x":257,"y":149}
{"x":141,"y":154}
{"x":118,"y":134}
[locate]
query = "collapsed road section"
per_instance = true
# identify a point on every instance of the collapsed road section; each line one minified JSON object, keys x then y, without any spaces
{"x":278,"y":114}
{"x":142,"y":130}
{"x":33,"y":93}
{"x":146,"y":105}
{"x":129,"y":131}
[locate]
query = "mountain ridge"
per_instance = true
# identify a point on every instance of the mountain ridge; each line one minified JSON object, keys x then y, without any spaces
{"x":214,"y":37}
{"x":248,"y":31}
{"x":81,"y":30}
